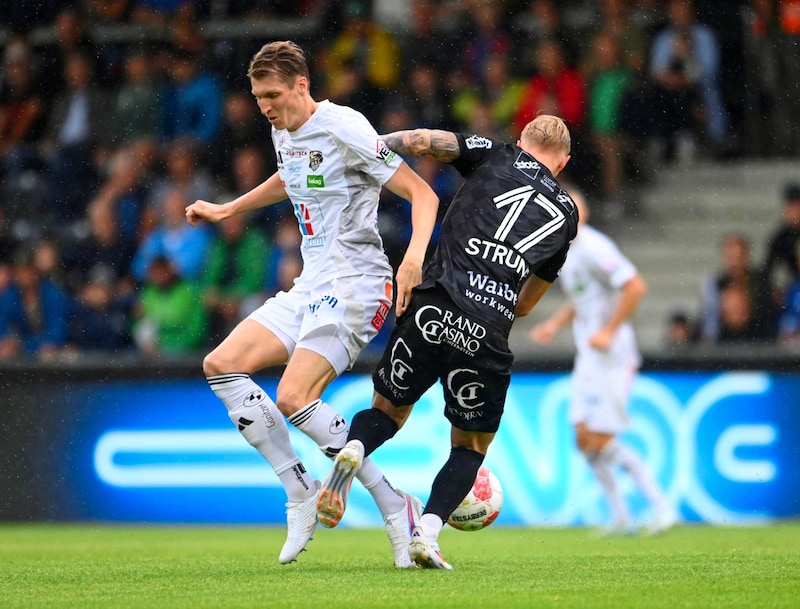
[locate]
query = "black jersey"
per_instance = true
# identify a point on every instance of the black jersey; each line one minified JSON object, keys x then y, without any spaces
{"x":509,"y":218}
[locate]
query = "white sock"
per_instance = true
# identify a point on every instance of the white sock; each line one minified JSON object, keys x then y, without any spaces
{"x":602,"y":468}
{"x":329,"y":430}
{"x":431,"y":525}
{"x":263,"y":426}
{"x":623,"y":456}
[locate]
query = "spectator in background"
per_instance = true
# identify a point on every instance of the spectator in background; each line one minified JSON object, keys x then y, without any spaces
{"x":33,"y":312}
{"x":789,"y":322}
{"x":684,"y":66}
{"x":490,"y":36}
{"x":680,"y":330}
{"x":183,"y":246}
{"x":782,"y":266}
{"x":428,"y":102}
{"x":71,"y":37}
{"x":99,"y":252}
{"x":251,"y":168}
{"x":241,"y":128}
{"x":555,"y":85}
{"x":737,"y":320}
{"x":496,"y":90}
{"x":135,"y":103}
{"x":788,"y":40}
{"x":74,"y":136}
{"x":99,"y":318}
{"x":23,"y":111}
{"x":234,"y":274}
{"x":169,"y":319}
{"x":608,"y":81}
{"x":185,"y":171}
{"x":537,"y":21}
{"x":364,"y":46}
{"x":351,"y":87}
{"x":736,"y":271}
{"x":160,"y":12}
{"x":192,"y":102}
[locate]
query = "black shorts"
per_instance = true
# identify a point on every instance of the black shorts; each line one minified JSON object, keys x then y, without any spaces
{"x":433,"y":341}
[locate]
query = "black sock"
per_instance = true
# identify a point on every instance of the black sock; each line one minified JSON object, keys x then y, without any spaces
{"x":372,"y":427}
{"x":453,"y":481}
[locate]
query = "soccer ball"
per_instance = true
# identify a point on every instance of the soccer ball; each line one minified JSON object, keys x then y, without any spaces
{"x":482,"y":504}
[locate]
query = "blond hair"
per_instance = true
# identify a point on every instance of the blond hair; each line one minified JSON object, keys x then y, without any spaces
{"x":283,"y":60}
{"x":548,"y":132}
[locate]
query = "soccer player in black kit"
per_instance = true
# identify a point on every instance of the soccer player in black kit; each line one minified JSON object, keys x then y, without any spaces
{"x":502,"y":243}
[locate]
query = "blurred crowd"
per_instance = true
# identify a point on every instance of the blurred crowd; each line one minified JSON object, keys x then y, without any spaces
{"x":114,"y":115}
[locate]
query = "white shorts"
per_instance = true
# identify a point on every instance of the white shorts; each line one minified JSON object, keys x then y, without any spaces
{"x":336,"y":319}
{"x":601,"y":388}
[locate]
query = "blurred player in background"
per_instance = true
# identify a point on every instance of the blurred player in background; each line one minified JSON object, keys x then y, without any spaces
{"x":331,"y":165}
{"x":501,"y":245}
{"x":604,"y":289}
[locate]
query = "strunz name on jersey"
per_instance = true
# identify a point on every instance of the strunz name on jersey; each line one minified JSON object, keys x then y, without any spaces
{"x":444,"y":326}
{"x":497,"y":253}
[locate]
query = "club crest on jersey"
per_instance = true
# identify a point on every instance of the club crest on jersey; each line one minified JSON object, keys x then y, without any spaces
{"x":476,"y":141}
{"x":315,"y":159}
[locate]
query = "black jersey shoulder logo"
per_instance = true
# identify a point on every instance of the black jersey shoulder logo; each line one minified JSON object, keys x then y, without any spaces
{"x":476,"y":141}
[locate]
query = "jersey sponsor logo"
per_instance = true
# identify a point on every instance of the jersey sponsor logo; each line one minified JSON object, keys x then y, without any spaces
{"x":313,"y":181}
{"x":380,"y":316}
{"x":443,"y":326}
{"x":294,"y":154}
{"x":401,"y":370}
{"x":315,"y":159}
{"x":383,"y":152}
{"x":497,"y":253}
{"x":484,"y":283}
{"x":463,"y":386}
{"x":476,"y":141}
{"x":303,"y":215}
{"x":527,"y":165}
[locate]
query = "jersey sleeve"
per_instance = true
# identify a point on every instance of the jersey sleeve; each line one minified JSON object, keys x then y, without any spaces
{"x":473,"y":150}
{"x":364,"y":150}
{"x":550,"y":268}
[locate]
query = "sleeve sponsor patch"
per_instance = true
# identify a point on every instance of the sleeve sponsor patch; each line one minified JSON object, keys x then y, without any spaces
{"x":383,"y":152}
{"x":476,"y":141}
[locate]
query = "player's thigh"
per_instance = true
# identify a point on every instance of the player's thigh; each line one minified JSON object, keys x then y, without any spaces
{"x":474,"y":396}
{"x":250,"y":347}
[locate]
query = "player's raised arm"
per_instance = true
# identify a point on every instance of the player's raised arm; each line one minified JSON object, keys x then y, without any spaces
{"x":441,"y":145}
{"x":268,"y":192}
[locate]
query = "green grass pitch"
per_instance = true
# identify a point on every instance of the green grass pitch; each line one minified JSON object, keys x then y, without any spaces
{"x":98,"y":566}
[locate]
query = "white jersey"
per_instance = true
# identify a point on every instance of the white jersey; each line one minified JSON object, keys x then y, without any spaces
{"x":591,"y":277}
{"x":333,"y":168}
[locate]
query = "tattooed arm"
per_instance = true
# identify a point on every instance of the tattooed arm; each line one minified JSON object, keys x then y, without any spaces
{"x":441,"y":145}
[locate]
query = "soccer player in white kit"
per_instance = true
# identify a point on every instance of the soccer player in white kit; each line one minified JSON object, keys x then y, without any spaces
{"x":331,"y":165}
{"x":604,"y":289}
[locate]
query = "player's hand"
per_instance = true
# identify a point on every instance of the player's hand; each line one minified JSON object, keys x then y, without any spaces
{"x":601,"y":340}
{"x":409,"y":275}
{"x":543,"y":333}
{"x":203,"y":210}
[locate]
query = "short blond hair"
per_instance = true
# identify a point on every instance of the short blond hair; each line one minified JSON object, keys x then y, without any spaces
{"x":548,"y":132}
{"x":282,"y":59}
